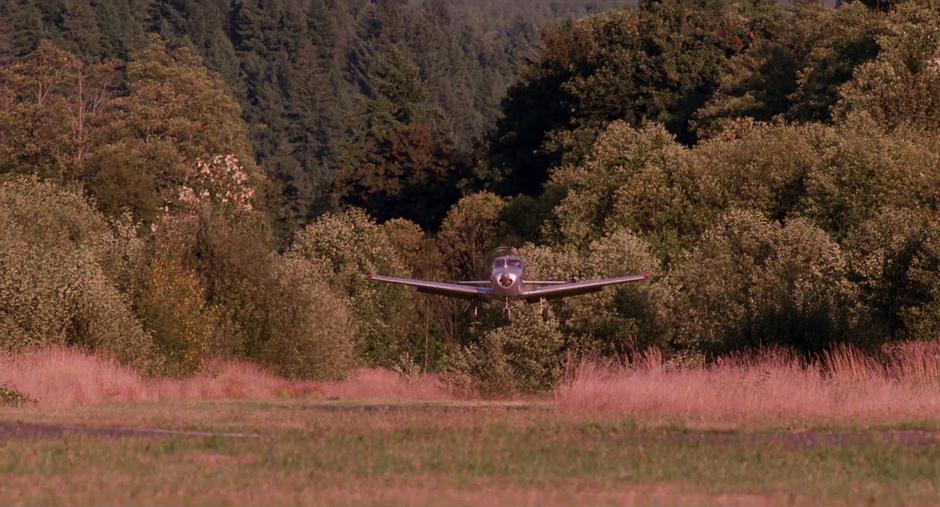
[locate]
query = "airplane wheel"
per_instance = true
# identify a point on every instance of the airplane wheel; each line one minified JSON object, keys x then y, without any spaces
{"x":547,"y":314}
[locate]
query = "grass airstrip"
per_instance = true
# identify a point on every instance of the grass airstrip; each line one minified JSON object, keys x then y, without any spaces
{"x":321,"y":452}
{"x":774,"y":430}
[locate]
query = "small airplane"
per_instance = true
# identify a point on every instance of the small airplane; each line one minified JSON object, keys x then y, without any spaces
{"x":508,"y":284}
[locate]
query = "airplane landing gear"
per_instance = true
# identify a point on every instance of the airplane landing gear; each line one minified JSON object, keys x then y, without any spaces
{"x":546,"y":310}
{"x":473,"y":312}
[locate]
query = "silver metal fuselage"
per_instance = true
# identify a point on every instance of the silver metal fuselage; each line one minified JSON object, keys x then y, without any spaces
{"x":506,"y":278}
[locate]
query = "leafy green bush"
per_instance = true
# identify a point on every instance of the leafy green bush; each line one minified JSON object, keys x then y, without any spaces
{"x":172,"y":307}
{"x":861,"y":168}
{"x":312,"y":335}
{"x":751,"y":282}
{"x":471,"y":228}
{"x":895,"y":256}
{"x":524,"y":355}
{"x":216,"y":286}
{"x":617,"y":321}
{"x":349,"y":245}
{"x":900,"y":87}
{"x":632,"y":178}
{"x":60,"y":262}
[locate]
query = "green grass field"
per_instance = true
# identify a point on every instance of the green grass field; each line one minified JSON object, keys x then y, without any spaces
{"x":341,"y":453}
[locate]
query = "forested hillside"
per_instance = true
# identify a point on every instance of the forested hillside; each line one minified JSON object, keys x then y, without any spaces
{"x":183,"y":180}
{"x":333,"y":92}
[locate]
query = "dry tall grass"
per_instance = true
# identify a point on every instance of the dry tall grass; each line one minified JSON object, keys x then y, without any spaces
{"x":843,"y":387}
{"x":63,"y":377}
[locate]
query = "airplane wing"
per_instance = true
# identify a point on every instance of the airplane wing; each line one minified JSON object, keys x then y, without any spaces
{"x":441,"y":288}
{"x":577,"y":288}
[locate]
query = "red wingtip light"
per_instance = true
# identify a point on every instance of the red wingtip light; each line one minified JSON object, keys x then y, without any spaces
{"x":646,"y":276}
{"x":369,"y":276}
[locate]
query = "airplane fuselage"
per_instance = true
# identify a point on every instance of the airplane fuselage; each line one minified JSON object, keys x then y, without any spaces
{"x":506,"y":279}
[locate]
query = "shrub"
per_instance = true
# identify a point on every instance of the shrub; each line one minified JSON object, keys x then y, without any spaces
{"x":55,"y":286}
{"x":524,"y":355}
{"x":616,"y":321}
{"x":311,"y":332}
{"x":753,"y":283}
{"x":896,"y":258}
{"x":862,"y":168}
{"x":174,"y":310}
{"x":216,"y":284}
{"x":10,"y":396}
{"x":632,"y":178}
{"x":900,"y":86}
{"x":470,"y":229}
{"x":349,"y":245}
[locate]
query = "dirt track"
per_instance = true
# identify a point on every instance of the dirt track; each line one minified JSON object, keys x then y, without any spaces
{"x":792,"y":440}
{"x":20,"y":430}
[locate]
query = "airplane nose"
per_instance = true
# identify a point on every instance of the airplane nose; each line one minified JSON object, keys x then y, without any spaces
{"x":506,"y":280}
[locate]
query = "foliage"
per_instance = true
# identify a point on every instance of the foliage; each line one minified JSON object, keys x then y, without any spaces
{"x":56,"y":252}
{"x":313,"y":331}
{"x":173,"y":309}
{"x":470,"y":230}
{"x":751,"y":282}
{"x":349,"y":245}
{"x":54,"y":104}
{"x":10,"y":396}
{"x":773,"y":167}
{"x":624,"y":182}
{"x":405,"y":173}
{"x":616,"y":322}
{"x":176,"y":119}
{"x":524,"y":355}
{"x":895,"y":257}
{"x":658,"y":63}
{"x":792,"y":65}
{"x":861,"y":168}
{"x":899,"y":88}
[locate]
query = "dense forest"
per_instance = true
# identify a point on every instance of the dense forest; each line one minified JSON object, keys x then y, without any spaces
{"x":195,"y":178}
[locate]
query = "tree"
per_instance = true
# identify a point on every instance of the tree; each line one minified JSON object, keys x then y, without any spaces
{"x":622,"y":182}
{"x":862,"y":167}
{"x":348,"y":245}
{"x":172,"y":307}
{"x":844,"y":40}
{"x":616,"y":322}
{"x":895,"y":257}
{"x":660,"y":63}
{"x":753,"y":283}
{"x":175,"y":115}
{"x":900,"y":87}
{"x":57,"y":105}
{"x":407,"y":174}
{"x":470,"y":229}
{"x":524,"y":355}
{"x":792,"y":66}
{"x":61,"y":268}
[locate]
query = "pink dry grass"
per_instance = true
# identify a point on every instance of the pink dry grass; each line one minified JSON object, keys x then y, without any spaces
{"x":63,"y":377}
{"x":844,"y":387}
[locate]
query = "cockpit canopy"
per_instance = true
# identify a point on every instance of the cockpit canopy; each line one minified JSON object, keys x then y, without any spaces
{"x":508,"y":262}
